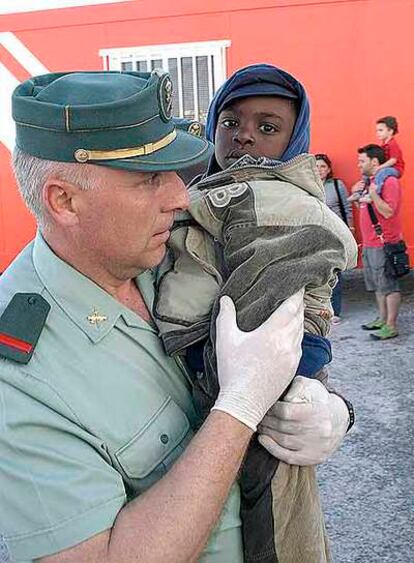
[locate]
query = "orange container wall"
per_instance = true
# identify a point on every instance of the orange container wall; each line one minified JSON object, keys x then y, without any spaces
{"x":353,"y":56}
{"x":17,"y":226}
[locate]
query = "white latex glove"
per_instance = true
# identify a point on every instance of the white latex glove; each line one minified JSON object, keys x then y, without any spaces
{"x":254,"y":368}
{"x":307,"y":426}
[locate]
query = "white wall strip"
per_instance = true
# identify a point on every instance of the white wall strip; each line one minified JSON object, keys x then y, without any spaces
{"x":15,"y":6}
{"x":8,"y":82}
{"x":22,"y":54}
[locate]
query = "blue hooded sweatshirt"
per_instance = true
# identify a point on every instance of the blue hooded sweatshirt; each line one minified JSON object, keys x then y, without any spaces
{"x":256,"y":80}
{"x":268,"y":80}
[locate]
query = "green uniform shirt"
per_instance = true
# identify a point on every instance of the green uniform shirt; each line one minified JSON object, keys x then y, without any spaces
{"x":96,"y":417}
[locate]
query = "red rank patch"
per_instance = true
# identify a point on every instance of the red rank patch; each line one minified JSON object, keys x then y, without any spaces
{"x":15,"y":343}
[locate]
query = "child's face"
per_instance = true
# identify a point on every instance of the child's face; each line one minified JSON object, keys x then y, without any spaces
{"x":257,"y":125}
{"x":383,"y":132}
{"x":323,"y":169}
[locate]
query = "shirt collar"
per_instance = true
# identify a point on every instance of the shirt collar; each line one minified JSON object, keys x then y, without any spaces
{"x":91,"y":308}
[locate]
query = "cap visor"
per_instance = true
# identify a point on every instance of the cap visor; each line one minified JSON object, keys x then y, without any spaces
{"x":186,"y":150}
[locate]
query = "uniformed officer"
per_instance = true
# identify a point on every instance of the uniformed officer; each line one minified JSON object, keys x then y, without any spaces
{"x":98,"y":458}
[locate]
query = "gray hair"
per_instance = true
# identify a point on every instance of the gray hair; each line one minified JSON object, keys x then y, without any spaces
{"x":32,"y":173}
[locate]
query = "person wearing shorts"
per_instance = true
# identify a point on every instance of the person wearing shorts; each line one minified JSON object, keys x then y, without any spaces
{"x":375,"y":275}
{"x":387,"y":208}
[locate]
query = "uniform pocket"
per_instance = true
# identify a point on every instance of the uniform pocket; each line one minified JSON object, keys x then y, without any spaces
{"x":155,"y":441}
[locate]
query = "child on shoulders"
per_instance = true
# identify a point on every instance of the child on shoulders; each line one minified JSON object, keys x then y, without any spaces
{"x":387,"y":128}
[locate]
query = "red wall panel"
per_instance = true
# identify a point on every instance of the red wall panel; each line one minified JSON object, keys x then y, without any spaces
{"x":17,"y":226}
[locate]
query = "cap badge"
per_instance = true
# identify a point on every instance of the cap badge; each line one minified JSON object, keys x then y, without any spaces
{"x":96,"y":318}
{"x":81,"y":155}
{"x":195,"y":129}
{"x":165,"y":97}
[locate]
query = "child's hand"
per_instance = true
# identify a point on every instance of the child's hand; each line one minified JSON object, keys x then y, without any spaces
{"x":366,"y":198}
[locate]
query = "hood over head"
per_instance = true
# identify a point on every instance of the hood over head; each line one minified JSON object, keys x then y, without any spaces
{"x":263,"y":80}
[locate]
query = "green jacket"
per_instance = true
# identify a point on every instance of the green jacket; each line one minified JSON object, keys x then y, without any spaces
{"x":257,"y":232}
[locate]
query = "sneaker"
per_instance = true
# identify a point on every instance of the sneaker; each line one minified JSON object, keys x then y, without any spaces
{"x":336,"y":320}
{"x":385,"y":333}
{"x":373,"y":325}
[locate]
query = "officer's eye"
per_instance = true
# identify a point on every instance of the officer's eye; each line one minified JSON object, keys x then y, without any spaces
{"x":228,"y":122}
{"x":268,"y":128}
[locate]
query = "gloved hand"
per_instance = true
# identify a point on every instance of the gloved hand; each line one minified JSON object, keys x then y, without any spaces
{"x":307,"y":426}
{"x":254,"y":368}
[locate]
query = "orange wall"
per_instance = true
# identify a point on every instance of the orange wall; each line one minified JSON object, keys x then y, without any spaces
{"x":353,"y":56}
{"x":16,"y":225}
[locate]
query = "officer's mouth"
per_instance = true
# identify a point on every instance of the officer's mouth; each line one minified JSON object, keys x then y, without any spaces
{"x":163,"y":235}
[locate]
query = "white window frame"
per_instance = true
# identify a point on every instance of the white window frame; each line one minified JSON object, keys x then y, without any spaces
{"x":214,"y":50}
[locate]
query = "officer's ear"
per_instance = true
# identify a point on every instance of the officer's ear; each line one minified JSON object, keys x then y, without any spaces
{"x":60,"y":201}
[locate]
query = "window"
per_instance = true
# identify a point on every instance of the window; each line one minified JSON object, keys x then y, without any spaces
{"x":196,"y":69}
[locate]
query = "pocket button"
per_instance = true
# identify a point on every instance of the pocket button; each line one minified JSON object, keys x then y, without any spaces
{"x":164,"y":438}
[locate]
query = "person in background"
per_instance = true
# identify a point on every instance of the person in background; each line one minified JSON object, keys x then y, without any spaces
{"x":387,"y":209}
{"x":387,"y":128}
{"x":336,"y":199}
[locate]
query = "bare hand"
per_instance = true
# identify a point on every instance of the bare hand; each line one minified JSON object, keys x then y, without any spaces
{"x":358,"y":186}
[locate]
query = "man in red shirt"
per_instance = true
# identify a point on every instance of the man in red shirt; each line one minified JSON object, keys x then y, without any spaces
{"x":387,"y":208}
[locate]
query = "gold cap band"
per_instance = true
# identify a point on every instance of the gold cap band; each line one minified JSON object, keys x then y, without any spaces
{"x":84,"y":155}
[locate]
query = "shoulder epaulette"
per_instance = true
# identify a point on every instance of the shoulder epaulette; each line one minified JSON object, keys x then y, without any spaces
{"x":21,"y":325}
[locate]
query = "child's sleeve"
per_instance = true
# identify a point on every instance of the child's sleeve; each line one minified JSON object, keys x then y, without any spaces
{"x":269,"y":264}
{"x":273,"y":249}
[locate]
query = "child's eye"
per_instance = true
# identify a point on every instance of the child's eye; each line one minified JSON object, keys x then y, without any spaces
{"x":228,"y":122}
{"x":268,"y":128}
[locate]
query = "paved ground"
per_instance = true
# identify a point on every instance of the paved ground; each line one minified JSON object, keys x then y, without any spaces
{"x":368,"y":486}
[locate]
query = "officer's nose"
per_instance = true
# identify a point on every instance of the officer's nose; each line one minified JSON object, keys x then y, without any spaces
{"x":176,"y":194}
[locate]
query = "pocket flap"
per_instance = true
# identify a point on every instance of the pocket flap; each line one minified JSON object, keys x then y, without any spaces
{"x":155,"y":441}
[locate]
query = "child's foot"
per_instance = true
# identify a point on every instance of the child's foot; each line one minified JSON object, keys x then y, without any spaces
{"x":366,"y":198}
{"x":385,"y":333}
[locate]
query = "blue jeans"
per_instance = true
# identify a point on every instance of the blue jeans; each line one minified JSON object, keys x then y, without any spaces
{"x":382,"y":175}
{"x":336,"y":298}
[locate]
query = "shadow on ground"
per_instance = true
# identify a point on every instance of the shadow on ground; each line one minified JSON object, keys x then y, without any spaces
{"x":367,"y":487}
